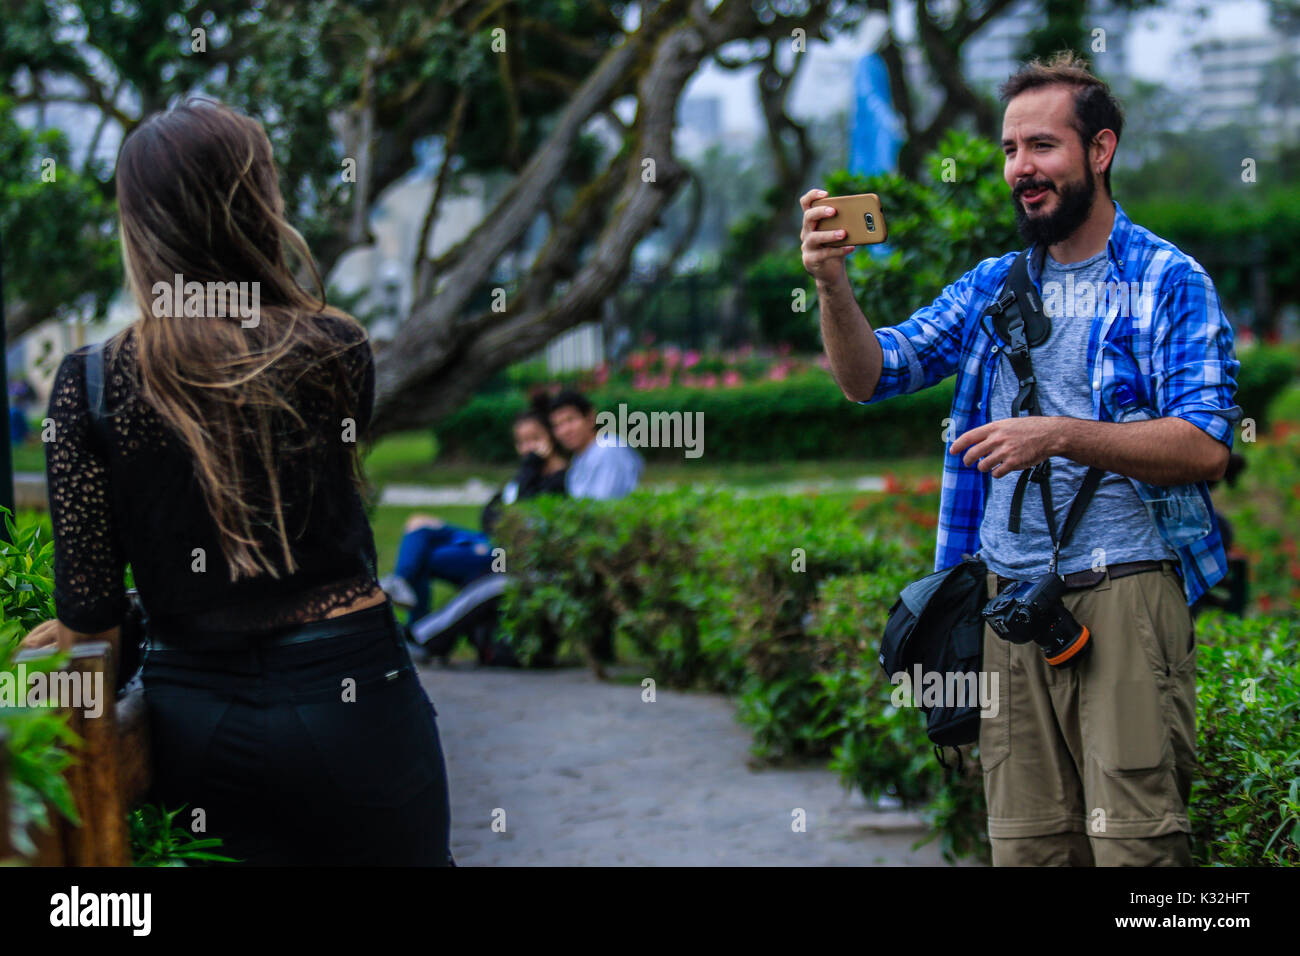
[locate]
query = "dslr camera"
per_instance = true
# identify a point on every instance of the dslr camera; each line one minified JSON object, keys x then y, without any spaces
{"x":1032,"y":611}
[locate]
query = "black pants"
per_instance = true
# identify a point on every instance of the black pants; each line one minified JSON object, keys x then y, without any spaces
{"x":318,"y":753}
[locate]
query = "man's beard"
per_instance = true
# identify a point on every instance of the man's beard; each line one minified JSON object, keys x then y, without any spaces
{"x":1072,"y":209}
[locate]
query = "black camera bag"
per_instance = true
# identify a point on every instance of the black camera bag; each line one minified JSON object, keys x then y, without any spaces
{"x":936,"y":624}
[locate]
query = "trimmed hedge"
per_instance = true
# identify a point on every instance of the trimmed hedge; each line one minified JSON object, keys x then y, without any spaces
{"x":1246,"y":803}
{"x":1266,"y":372}
{"x":781,"y":602}
{"x":711,"y":588}
{"x":803,"y":417}
{"x":1265,"y":513}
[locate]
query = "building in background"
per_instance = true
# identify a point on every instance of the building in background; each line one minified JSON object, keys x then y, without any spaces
{"x":1255,"y":77}
{"x":699,"y":124}
{"x":990,"y":55}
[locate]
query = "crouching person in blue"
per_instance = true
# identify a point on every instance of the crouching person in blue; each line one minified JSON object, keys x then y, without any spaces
{"x":432,"y":549}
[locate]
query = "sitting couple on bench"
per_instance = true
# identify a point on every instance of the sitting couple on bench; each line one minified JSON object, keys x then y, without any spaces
{"x":433,"y":549}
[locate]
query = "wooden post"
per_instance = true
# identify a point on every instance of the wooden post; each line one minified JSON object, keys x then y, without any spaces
{"x":102,"y":838}
{"x":96,"y":778}
{"x":50,"y":844}
{"x":134,"y":750}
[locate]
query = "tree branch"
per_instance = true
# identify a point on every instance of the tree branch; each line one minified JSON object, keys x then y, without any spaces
{"x":449,"y":141}
{"x":433,"y":365}
{"x":421,"y":338}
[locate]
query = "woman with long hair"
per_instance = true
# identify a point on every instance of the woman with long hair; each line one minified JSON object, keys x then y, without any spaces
{"x":283,"y":703}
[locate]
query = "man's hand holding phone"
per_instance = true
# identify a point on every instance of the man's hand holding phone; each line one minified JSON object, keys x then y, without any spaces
{"x":823,"y":261}
{"x":833,"y":226}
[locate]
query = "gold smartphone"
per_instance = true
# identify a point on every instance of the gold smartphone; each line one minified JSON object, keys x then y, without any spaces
{"x":859,"y":216}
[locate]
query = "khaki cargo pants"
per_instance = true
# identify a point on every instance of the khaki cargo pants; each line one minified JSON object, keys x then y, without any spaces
{"x":1093,"y":765}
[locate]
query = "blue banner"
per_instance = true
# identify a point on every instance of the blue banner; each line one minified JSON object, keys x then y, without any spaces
{"x":877,"y":133}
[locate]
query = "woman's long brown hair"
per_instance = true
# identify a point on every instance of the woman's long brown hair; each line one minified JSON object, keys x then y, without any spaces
{"x":198,"y":197}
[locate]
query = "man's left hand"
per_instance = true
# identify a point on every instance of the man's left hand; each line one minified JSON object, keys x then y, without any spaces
{"x":1011,"y":444}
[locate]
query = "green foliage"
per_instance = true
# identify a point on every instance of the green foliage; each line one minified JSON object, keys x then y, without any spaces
{"x":1285,"y":407}
{"x":768,"y":289}
{"x":26,"y":582}
{"x":1265,"y":513}
{"x":1246,"y":803}
{"x":803,"y":417}
{"x":711,"y":588}
{"x":1265,"y":372}
{"x":38,"y":741}
{"x":157,"y":841}
{"x":39,"y":746}
{"x":1232,"y":232}
{"x":58,"y":234}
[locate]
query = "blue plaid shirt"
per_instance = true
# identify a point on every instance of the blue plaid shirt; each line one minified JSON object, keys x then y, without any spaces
{"x":1177,"y":357}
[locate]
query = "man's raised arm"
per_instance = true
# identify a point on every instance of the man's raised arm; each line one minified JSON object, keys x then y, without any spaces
{"x":855,"y":355}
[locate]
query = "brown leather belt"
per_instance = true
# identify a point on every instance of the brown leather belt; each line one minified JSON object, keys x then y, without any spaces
{"x":1089,"y":579}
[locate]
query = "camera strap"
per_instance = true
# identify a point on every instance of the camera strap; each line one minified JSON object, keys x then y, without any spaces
{"x":1021,"y":324}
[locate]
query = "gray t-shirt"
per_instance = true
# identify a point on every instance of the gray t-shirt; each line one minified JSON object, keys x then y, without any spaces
{"x":1115,"y":519}
{"x":604,"y":471}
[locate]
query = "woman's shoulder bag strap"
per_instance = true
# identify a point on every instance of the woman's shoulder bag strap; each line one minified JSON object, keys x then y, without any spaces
{"x":95,"y":393}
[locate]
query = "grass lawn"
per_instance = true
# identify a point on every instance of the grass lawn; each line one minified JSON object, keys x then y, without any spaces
{"x":29,"y":456}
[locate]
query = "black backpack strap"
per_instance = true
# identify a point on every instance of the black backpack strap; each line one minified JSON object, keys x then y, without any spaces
{"x":96,"y":402}
{"x":1022,"y":324}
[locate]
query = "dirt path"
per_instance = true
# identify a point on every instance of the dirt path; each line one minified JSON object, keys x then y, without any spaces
{"x":588,"y":774}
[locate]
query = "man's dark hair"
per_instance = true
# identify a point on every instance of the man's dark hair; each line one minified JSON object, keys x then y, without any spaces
{"x":1095,"y":107}
{"x":570,"y":398}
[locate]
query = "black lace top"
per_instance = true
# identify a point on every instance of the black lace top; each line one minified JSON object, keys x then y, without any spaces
{"x":140,"y":502}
